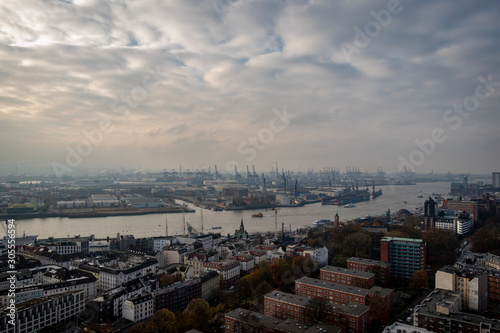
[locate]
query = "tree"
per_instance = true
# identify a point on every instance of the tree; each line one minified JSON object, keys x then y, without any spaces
{"x":441,"y":247}
{"x":317,"y":309}
{"x":419,"y":282}
{"x":138,"y":328}
{"x":197,"y":315}
{"x":397,"y":233}
{"x":486,"y":240}
{"x":163,"y":321}
{"x":166,"y":280}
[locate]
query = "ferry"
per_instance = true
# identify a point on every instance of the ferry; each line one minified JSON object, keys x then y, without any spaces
{"x":351,"y":205}
{"x":321,"y":222}
{"x":258,"y":215}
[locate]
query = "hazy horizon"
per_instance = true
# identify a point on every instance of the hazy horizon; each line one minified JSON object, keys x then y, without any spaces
{"x":156,"y":84}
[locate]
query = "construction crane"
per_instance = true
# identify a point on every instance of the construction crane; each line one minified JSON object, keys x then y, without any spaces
{"x":217,"y":174}
{"x":236,"y":173}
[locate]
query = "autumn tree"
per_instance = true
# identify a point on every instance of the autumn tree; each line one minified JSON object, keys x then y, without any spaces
{"x":166,"y":280}
{"x":419,"y":282}
{"x":162,"y":321}
{"x":486,"y":239}
{"x":441,"y":247}
{"x":197,"y":315}
{"x":138,"y":328}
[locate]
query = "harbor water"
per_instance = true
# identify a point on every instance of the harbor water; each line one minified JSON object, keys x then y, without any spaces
{"x":393,"y":198}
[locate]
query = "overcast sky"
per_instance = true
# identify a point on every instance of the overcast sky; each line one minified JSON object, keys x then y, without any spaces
{"x":108,"y":84}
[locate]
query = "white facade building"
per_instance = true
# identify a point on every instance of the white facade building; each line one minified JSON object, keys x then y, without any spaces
{"x":139,"y":308}
{"x":110,"y":278}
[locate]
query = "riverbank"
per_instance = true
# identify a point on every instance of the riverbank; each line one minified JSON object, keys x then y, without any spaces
{"x":99,"y":213}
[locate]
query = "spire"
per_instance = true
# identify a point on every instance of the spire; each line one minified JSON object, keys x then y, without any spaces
{"x":242,"y":227}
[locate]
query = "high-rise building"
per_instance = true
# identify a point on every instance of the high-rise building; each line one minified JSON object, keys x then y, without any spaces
{"x":406,"y":255}
{"x":472,"y":283}
{"x":495,"y":179}
{"x":430,"y":208}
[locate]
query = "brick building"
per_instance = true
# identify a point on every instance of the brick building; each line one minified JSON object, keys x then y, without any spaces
{"x":463,"y":206}
{"x":245,"y":321}
{"x":381,"y":269}
{"x":340,"y":293}
{"x":347,"y":276}
{"x":356,"y":317}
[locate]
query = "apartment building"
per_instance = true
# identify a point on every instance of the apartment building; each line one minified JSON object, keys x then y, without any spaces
{"x":347,"y":276}
{"x":381,"y":269}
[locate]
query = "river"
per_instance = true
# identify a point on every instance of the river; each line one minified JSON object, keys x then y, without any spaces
{"x":296,"y":217}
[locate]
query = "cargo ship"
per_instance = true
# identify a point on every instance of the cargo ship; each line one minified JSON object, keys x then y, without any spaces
{"x":376,"y":194}
{"x":346,"y":197}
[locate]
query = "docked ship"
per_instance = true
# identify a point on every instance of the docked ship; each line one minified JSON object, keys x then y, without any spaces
{"x":346,"y":197}
{"x":375,"y":194}
{"x":24,"y":240}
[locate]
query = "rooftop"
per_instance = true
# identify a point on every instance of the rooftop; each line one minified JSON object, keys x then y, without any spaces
{"x":369,"y":261}
{"x":344,"y":288}
{"x":346,"y":271}
{"x":259,"y":320}
{"x":352,"y":309}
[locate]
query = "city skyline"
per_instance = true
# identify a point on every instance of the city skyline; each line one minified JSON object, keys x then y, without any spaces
{"x":88,"y":85}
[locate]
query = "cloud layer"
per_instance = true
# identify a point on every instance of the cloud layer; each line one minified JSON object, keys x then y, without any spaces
{"x":196,"y":82}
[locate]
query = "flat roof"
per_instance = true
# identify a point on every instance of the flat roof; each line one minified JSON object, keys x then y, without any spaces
{"x":346,"y":271}
{"x":369,"y":261}
{"x":343,"y":287}
{"x":400,"y":239}
{"x":353,"y":309}
{"x":259,"y":320}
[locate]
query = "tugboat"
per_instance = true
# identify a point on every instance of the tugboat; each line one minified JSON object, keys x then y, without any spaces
{"x":258,"y":215}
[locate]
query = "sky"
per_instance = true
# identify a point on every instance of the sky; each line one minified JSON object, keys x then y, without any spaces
{"x":155,"y":84}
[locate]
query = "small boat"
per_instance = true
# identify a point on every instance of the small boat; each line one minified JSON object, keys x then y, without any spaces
{"x":351,"y":205}
{"x":420,"y":196}
{"x":216,"y":227}
{"x":258,"y":215}
{"x":405,"y":202}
